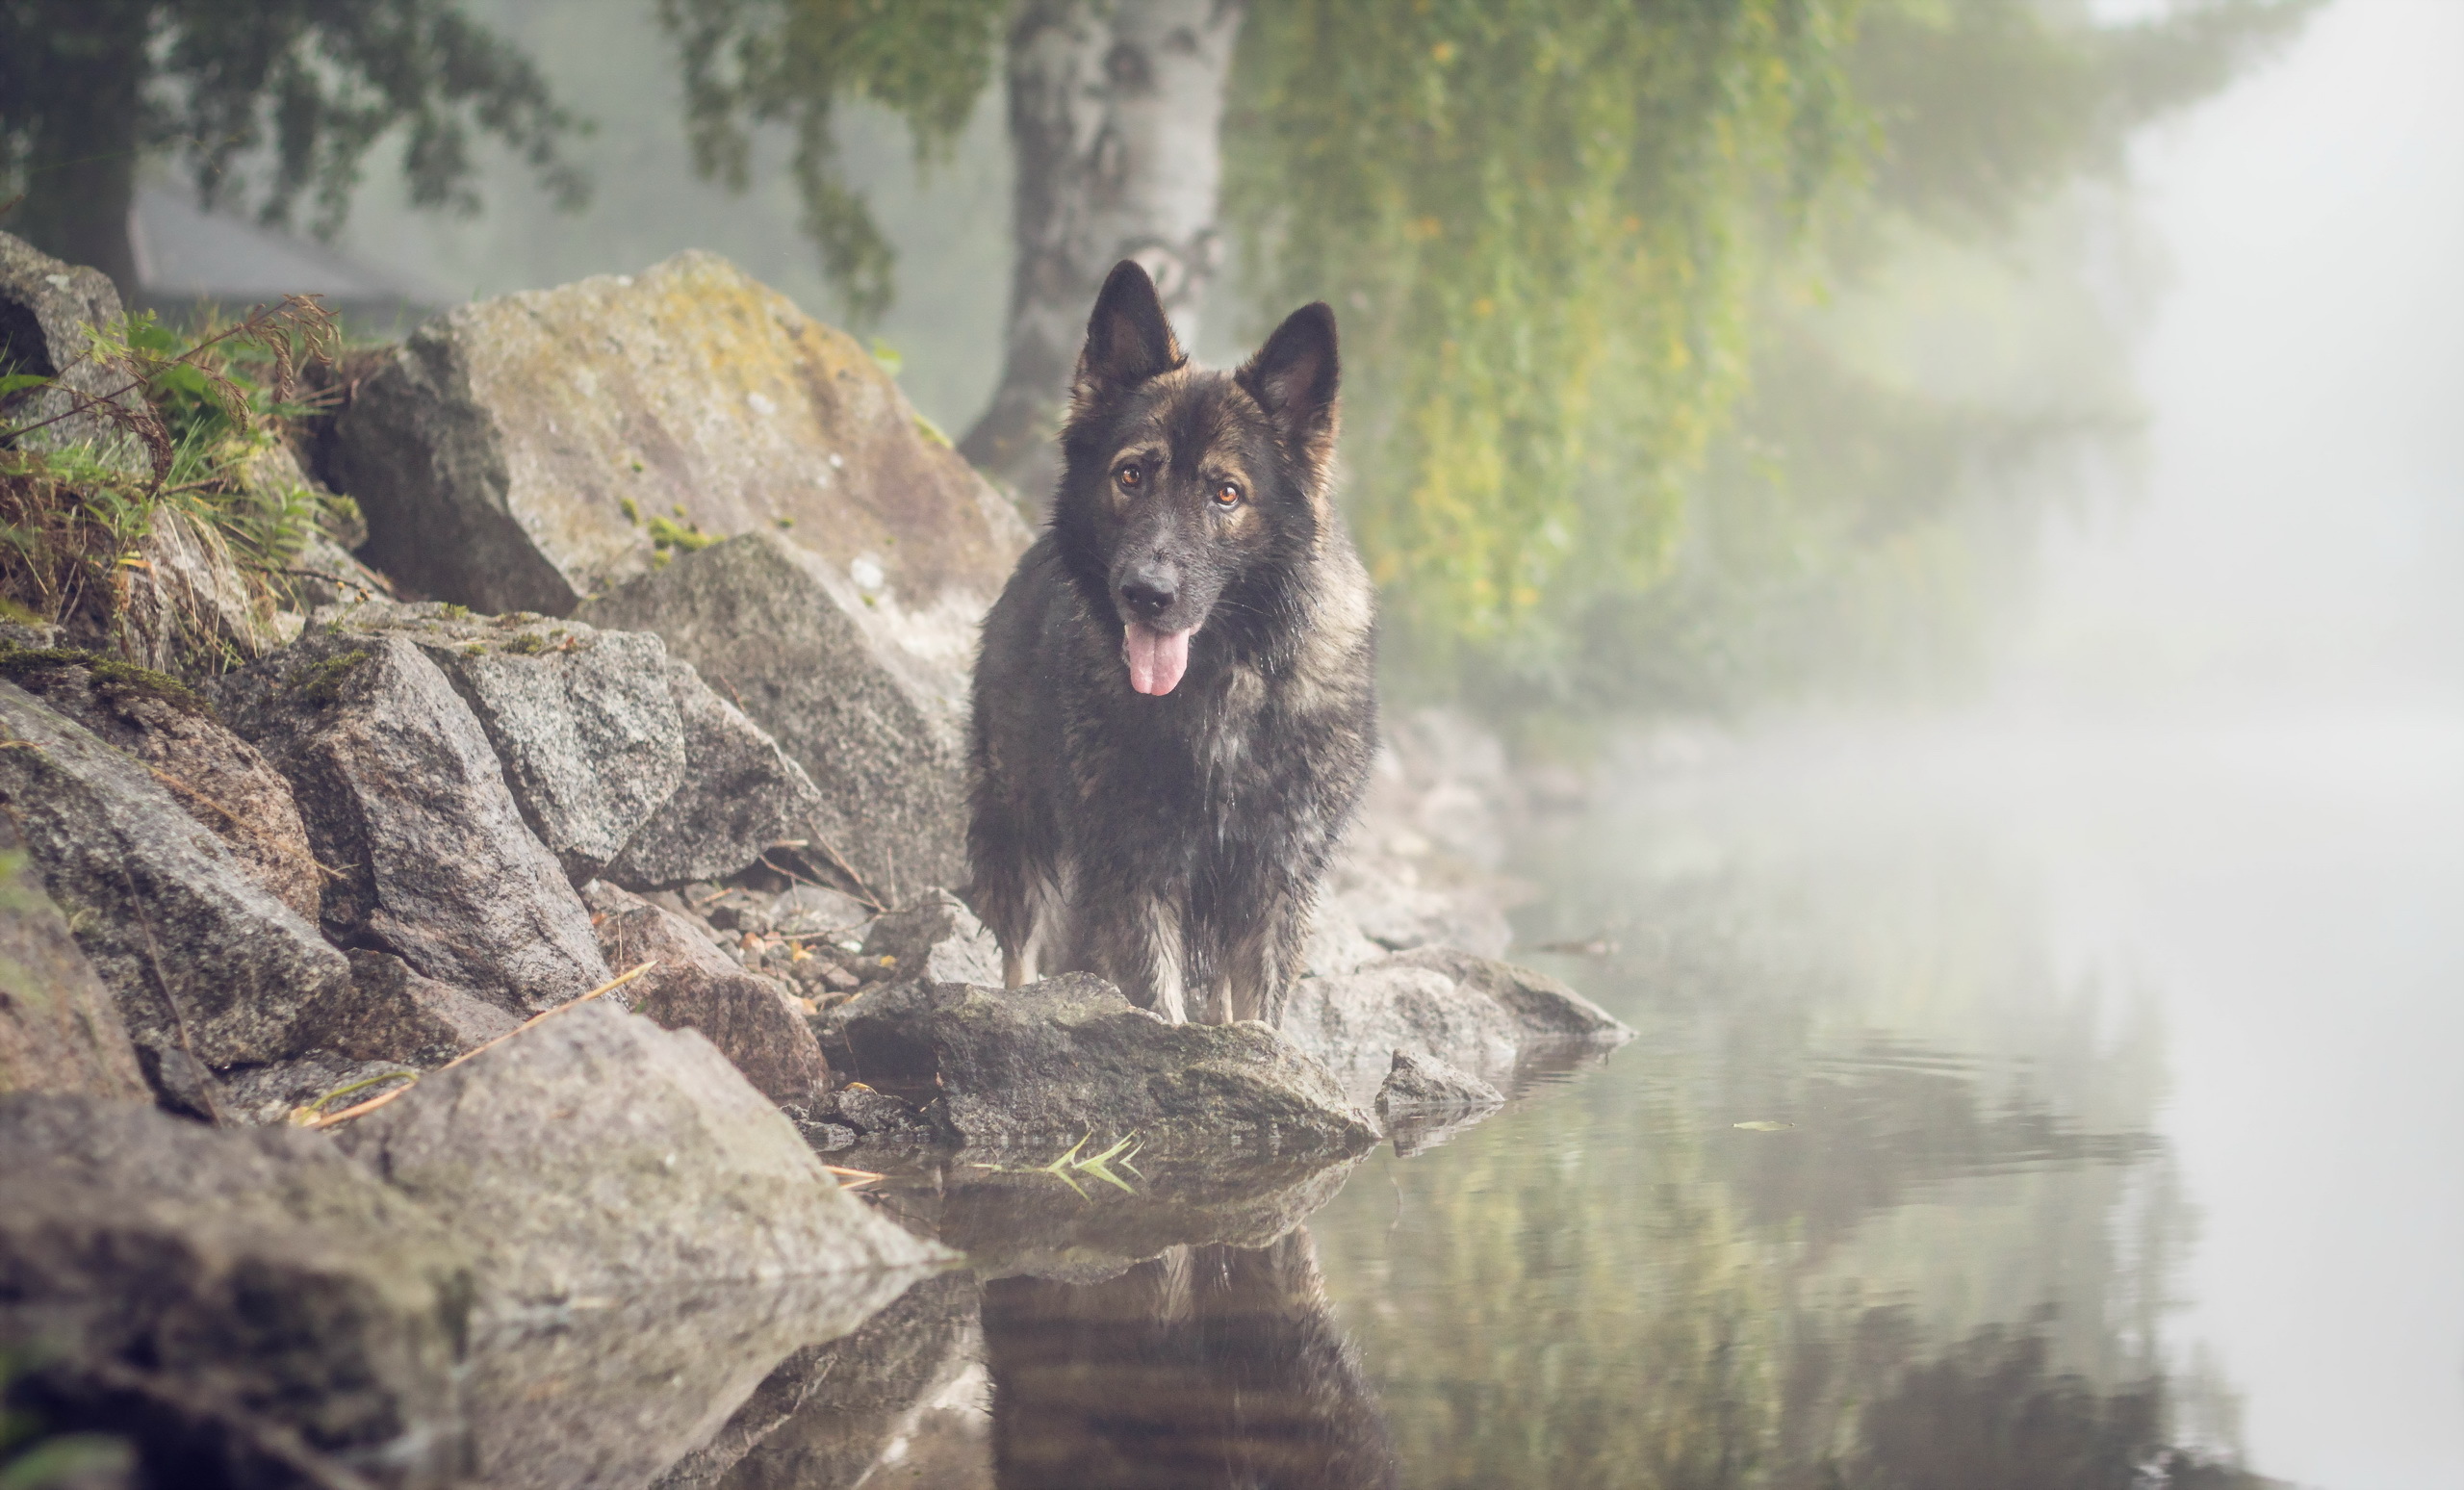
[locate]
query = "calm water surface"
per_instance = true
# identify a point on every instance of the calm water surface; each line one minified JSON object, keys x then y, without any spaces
{"x":2120,"y":1080}
{"x":2012,"y":1108}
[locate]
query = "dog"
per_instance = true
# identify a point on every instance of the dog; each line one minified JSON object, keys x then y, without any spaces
{"x":1175,"y":701}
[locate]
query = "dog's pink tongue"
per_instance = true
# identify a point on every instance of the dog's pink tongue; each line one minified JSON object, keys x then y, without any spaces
{"x":1157,"y":660}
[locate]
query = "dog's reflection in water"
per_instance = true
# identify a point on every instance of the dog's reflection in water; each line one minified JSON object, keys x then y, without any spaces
{"x":1210,"y":1366}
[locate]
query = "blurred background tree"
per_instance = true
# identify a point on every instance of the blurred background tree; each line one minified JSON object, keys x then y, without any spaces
{"x":1699,"y":352}
{"x":299,"y":89}
{"x":1612,"y":444}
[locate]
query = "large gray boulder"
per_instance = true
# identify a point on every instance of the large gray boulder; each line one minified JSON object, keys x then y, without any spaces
{"x":202,"y":961}
{"x":60,"y":1029}
{"x":697,"y":987}
{"x":582,"y":721}
{"x":218,"y":777}
{"x":522,"y":453}
{"x":597,"y":1155}
{"x":405,"y":800}
{"x":739,"y":797}
{"x":1070,"y":1057}
{"x":1486,"y":1016}
{"x":254,"y":1306}
{"x":870,"y":701}
{"x":46,"y":308}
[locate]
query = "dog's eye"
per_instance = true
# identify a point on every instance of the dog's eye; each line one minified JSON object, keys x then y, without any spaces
{"x":1226,"y":494}
{"x":1129,"y":477}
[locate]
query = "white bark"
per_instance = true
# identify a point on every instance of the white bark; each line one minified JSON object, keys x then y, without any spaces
{"x":1115,"y":110}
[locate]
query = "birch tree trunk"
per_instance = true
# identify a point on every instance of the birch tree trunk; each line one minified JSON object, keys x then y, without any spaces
{"x":1116,"y":113}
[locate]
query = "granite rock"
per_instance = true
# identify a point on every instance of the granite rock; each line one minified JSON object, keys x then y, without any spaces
{"x":695,"y":985}
{"x":200,"y":958}
{"x":597,"y":1155}
{"x":404,"y":799}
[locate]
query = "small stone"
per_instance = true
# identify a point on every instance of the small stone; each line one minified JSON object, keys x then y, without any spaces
{"x":937,"y":939}
{"x":1422,"y":1082}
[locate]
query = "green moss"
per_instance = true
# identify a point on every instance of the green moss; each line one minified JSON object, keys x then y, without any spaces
{"x":113,"y":679}
{"x":631,"y":509}
{"x":321,"y":683}
{"x":667,"y":533}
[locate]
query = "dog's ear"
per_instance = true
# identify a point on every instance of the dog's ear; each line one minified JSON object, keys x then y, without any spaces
{"x":1129,"y":339}
{"x":1294,"y":377}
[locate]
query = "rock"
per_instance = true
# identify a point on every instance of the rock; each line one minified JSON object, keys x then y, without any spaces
{"x":597,"y":1155}
{"x":816,"y":910}
{"x":830,"y":1413}
{"x":1542,"y":1007}
{"x":582,"y":720}
{"x":870,"y":703}
{"x":47,"y":307}
{"x":1375,"y":905}
{"x":696,"y":987}
{"x":258,"y":1096}
{"x":200,"y":958}
{"x":1426,"y":1102}
{"x":1420,"y":1082}
{"x":60,"y":1029}
{"x":739,"y":795}
{"x":522,"y":453}
{"x":939,"y":939}
{"x":395,"y":1015}
{"x":874,"y":1113}
{"x":1469,"y":1011}
{"x":237,"y":1301}
{"x":404,"y":799}
{"x":217,"y":776}
{"x":1069,"y":1057}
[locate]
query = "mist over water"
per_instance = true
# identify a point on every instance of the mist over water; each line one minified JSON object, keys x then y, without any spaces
{"x":2286,"y":602}
{"x":2233,"y":739}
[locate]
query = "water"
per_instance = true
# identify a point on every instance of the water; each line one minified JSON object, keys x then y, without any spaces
{"x":2012,"y":1107}
{"x":2119,"y":1075}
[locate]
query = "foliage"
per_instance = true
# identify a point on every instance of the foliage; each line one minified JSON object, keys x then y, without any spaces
{"x":1542,"y":221}
{"x":204,"y":409}
{"x":313,"y":83}
{"x":755,"y":62}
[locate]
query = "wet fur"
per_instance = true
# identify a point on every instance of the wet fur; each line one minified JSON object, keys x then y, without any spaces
{"x":1173,"y":844}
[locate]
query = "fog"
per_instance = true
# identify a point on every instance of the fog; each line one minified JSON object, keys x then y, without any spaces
{"x":2265,"y":821}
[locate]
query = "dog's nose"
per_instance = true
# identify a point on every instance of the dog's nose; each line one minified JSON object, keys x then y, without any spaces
{"x":1150,"y":589}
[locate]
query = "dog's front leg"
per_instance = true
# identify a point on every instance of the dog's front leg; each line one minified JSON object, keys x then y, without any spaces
{"x":1133,"y":939}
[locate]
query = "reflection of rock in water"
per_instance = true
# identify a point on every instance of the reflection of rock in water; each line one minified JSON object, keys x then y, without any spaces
{"x":900,"y":1402}
{"x":1209,"y":1367}
{"x":613,"y":1392}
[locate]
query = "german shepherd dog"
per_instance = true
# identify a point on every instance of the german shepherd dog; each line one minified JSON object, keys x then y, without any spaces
{"x":1176,"y":704}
